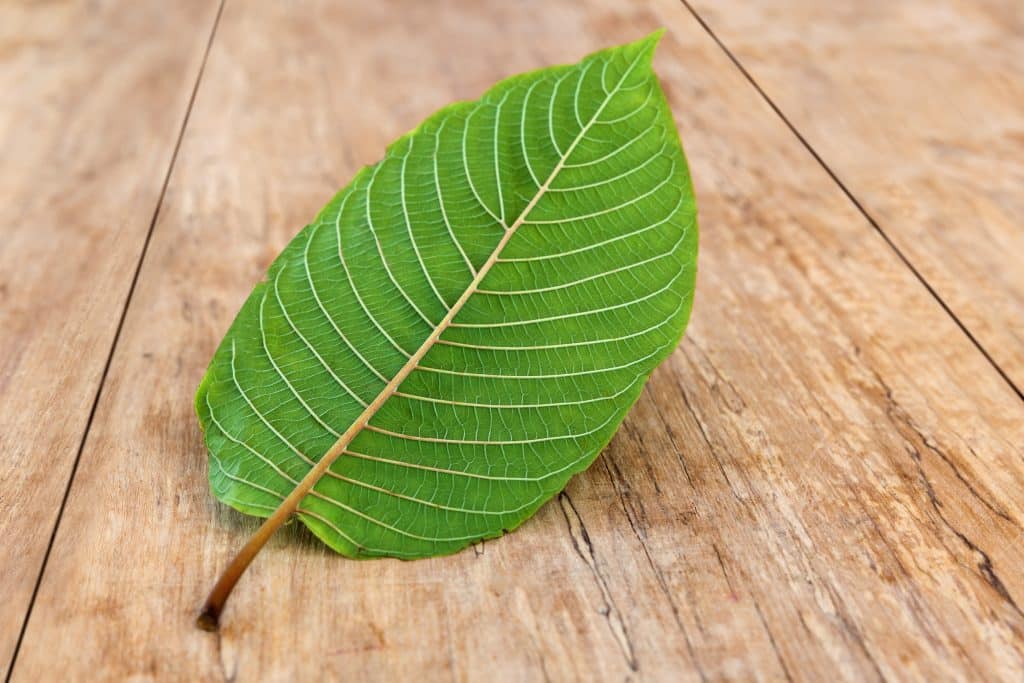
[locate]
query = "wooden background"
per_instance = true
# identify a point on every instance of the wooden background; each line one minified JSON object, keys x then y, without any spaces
{"x":824,"y":482}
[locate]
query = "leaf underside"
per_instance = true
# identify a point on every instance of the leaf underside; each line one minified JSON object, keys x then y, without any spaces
{"x":579,"y":168}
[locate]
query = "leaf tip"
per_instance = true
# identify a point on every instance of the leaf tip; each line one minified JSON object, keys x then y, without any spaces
{"x":653,"y":38}
{"x":644,"y":46}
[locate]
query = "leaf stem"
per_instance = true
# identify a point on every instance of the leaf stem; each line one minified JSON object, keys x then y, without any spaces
{"x":209,"y":617}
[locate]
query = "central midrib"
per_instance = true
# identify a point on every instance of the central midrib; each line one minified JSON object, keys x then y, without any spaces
{"x":211,"y":611}
{"x":311,"y":478}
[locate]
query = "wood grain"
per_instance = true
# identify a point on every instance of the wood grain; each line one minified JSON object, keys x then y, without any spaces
{"x":918,"y":107}
{"x":92,"y":99}
{"x":823,"y":482}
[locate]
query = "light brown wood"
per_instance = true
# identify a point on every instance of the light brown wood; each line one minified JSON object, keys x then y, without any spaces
{"x":918,"y":107}
{"x":824,"y":482}
{"x":92,"y":98}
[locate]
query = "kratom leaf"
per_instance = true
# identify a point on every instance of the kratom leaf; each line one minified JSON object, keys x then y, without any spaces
{"x":465,"y":325}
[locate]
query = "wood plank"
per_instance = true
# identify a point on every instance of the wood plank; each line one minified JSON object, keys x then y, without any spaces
{"x":918,"y":107}
{"x":824,"y":481}
{"x":93,"y":97}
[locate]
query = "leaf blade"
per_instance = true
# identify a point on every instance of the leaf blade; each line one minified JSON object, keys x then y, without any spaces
{"x":438,"y":461}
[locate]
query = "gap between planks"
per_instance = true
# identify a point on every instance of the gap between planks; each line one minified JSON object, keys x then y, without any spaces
{"x":853,"y":199}
{"x":113,"y":343}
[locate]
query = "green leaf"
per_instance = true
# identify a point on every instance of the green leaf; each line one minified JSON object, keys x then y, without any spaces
{"x":465,"y":325}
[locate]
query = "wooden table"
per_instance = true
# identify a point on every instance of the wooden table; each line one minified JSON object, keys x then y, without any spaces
{"x":825,"y":481}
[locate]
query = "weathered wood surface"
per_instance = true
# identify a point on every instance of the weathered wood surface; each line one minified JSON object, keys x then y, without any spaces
{"x":824,"y":482}
{"x":92,"y":98}
{"x":918,"y":108}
